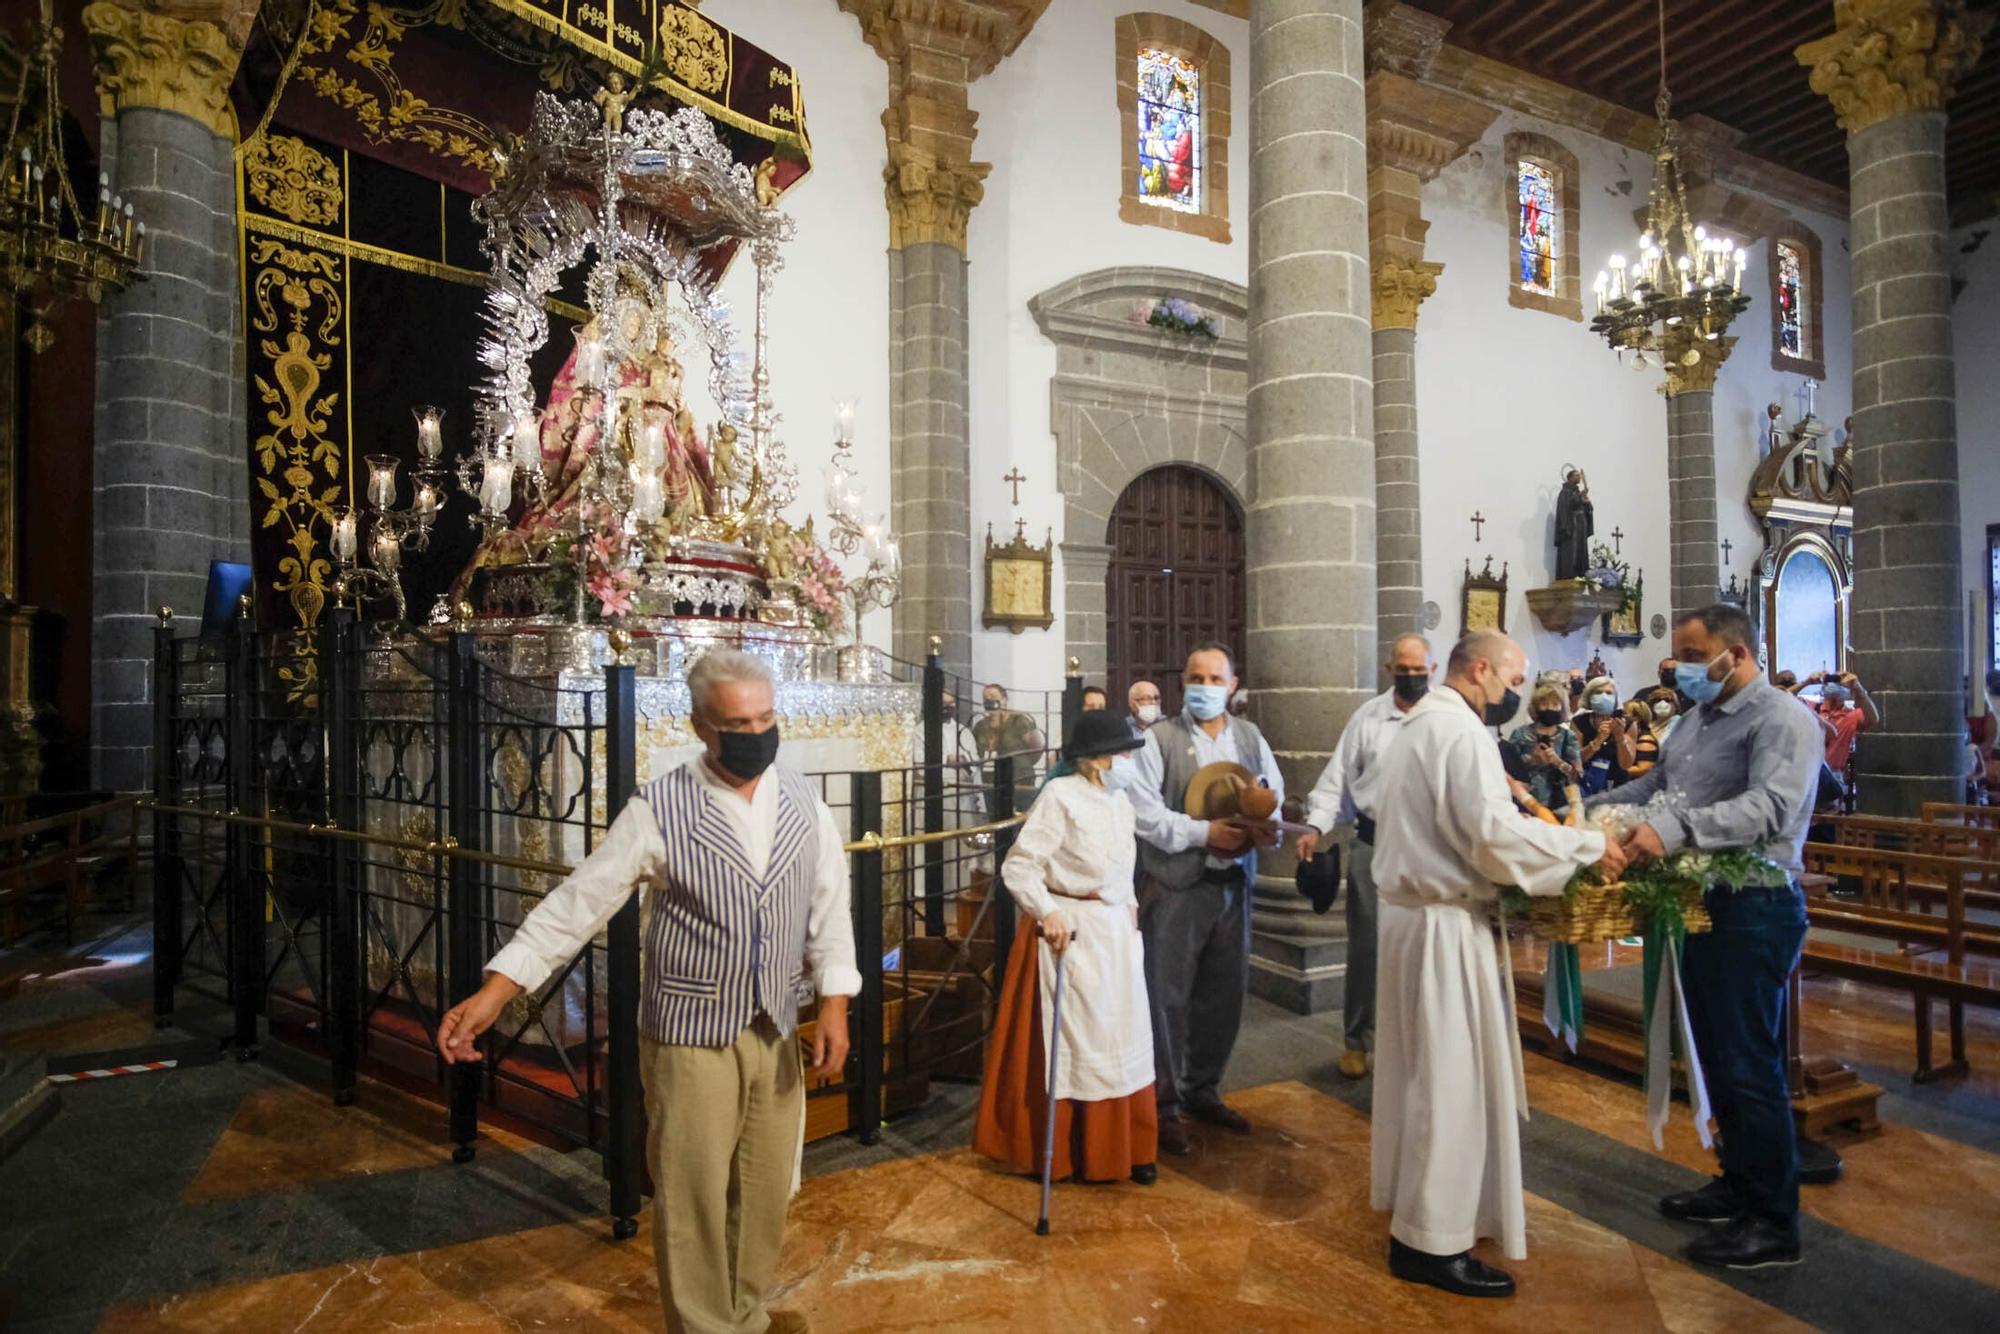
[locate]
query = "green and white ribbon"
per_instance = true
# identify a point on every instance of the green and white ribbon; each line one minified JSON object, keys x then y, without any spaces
{"x":1667,"y":1021}
{"x":1562,"y":994}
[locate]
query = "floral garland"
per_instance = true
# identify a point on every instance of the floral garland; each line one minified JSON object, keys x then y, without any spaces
{"x":1178,"y":315}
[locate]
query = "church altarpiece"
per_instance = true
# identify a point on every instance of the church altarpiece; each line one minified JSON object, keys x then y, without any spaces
{"x":1128,"y":399}
{"x":1804,"y":499}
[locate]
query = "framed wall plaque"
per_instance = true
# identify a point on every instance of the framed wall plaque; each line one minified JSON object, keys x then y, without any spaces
{"x":1018,"y":580}
{"x":1483,"y":599}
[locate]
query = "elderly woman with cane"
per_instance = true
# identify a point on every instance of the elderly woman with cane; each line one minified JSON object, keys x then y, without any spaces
{"x":1071,"y":872}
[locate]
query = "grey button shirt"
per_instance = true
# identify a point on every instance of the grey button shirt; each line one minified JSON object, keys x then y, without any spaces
{"x":1741,"y":773}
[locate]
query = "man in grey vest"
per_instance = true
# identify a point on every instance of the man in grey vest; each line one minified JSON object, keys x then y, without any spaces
{"x":746,"y":904}
{"x":1195,"y":883}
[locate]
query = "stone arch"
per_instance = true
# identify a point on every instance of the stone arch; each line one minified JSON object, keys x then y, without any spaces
{"x":1127,"y":397}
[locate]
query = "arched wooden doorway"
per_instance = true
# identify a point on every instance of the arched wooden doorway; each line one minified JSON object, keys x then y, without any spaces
{"x":1175,"y":579}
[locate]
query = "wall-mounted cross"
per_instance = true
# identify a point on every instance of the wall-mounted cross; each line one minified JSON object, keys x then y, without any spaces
{"x":1617,"y":542}
{"x":1807,"y":393}
{"x":1727,"y":547}
{"x":1478,"y":526}
{"x":1016,"y":477}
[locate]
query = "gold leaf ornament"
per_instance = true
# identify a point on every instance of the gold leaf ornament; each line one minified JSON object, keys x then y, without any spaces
{"x":693,"y":49}
{"x":294,"y":180}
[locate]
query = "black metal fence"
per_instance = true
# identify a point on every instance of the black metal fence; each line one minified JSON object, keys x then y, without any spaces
{"x":347,"y":830}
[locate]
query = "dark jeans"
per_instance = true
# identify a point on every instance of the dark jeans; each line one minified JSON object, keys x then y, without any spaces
{"x":1736,"y":978}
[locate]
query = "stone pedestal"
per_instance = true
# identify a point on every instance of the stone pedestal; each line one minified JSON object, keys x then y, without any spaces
{"x":1889,"y":69}
{"x":172,"y":475}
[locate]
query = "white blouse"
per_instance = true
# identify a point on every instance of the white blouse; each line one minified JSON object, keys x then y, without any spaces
{"x":1076,"y":841}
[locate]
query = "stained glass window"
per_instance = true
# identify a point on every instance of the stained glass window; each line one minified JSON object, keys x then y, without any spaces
{"x":1540,"y":221}
{"x":1169,"y":131}
{"x":1791,"y":262}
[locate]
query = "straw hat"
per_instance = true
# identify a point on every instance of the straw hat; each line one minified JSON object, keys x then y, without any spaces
{"x":1215,"y":790}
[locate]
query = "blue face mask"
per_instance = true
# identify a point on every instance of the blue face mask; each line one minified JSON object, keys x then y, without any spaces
{"x":1692,"y":679}
{"x":1206,"y":702}
{"x":1603,"y":704}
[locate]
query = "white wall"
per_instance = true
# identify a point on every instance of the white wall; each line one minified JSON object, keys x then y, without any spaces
{"x":1976,"y":340}
{"x":829,"y":314}
{"x":1049,"y":124}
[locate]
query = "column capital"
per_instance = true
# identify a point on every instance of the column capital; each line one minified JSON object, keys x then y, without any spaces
{"x":1398,"y":287}
{"x":980,"y":32}
{"x":1888,"y":58}
{"x":169,"y":55}
{"x":1693,"y":361}
{"x":930,"y":199}
{"x":1419,"y":127}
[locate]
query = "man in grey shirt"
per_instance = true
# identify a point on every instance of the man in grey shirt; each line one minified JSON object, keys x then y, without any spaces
{"x":1739,"y":771}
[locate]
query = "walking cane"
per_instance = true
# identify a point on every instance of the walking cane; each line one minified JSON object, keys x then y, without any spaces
{"x":1049,"y":1133}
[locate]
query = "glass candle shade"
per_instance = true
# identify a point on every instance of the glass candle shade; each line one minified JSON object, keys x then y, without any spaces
{"x":385,"y":551}
{"x":496,"y":486}
{"x":346,"y":538}
{"x":430,"y":433}
{"x":382,"y":481}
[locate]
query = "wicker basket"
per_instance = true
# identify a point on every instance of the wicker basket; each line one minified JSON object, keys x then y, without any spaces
{"x":1599,"y":912}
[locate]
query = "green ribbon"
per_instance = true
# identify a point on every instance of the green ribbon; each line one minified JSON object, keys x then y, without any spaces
{"x":1562,"y":994}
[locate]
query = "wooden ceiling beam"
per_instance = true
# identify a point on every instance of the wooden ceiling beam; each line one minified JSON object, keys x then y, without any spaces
{"x":1505,"y":32}
{"x":1581,"y":41}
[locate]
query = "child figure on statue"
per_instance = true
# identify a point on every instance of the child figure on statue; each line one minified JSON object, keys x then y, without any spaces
{"x":1070,"y":872}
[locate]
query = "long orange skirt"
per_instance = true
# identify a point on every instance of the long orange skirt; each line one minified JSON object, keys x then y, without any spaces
{"x":1105,"y":1140}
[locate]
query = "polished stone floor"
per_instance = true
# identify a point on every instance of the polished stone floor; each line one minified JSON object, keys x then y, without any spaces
{"x":225,"y":1195}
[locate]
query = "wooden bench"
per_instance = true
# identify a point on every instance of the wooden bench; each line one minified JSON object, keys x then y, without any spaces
{"x":1945,"y":812}
{"x":65,"y":853}
{"x":1975,"y":844}
{"x":1883,"y":883}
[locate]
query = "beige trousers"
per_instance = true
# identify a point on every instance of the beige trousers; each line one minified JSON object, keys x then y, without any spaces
{"x":722,"y":1134}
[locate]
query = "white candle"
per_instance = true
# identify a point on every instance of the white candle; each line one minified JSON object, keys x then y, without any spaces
{"x":843,"y":423}
{"x":430,"y":432}
{"x":346,"y":538}
{"x":652,"y":452}
{"x":427,"y":501}
{"x":1737,"y":281}
{"x":1617,"y":276}
{"x":589,"y":357}
{"x":382,"y":481}
{"x":1687,"y":281}
{"x":386,"y":551}
{"x":649,"y":501}
{"x":496,"y":486}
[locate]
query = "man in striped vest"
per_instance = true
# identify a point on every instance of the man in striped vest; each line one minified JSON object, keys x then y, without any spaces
{"x":745,"y":914}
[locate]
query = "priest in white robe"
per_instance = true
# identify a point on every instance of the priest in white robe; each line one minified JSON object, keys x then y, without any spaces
{"x":1448,"y":1086}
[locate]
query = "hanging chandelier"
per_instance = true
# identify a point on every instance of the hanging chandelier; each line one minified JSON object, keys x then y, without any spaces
{"x":1684,"y":284}
{"x":50,"y":252}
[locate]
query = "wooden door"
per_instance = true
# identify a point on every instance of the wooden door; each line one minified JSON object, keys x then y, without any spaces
{"x":1176,"y":579}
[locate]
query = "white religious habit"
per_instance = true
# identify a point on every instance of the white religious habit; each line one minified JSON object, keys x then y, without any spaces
{"x":1446,"y":1152}
{"x":1074,"y":854}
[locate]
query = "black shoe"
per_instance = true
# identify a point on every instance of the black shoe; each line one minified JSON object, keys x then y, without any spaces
{"x":1746,"y":1243}
{"x":1174,"y":1137}
{"x":1454,"y":1273}
{"x":1216,"y":1114}
{"x":1716,"y":1202}
{"x":1145,"y":1174}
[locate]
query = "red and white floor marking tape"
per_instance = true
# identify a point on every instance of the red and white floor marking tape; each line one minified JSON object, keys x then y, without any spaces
{"x":112,"y":1070}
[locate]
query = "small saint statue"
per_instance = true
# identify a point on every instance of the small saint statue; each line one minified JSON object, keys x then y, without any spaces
{"x":1575,"y":523}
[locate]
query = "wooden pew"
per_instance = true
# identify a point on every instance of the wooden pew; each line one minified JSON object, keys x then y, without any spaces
{"x":1883,"y":882}
{"x":1945,"y":812}
{"x":66,"y":852}
{"x":1975,"y":844}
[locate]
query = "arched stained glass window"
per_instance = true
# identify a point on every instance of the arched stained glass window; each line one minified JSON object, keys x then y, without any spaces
{"x":1170,"y":131}
{"x":1538,"y":226}
{"x":1791,"y":286}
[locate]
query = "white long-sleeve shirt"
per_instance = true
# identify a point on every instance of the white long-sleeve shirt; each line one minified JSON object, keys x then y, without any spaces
{"x":1351,"y":783}
{"x":1175,"y":831}
{"x":633,"y":852}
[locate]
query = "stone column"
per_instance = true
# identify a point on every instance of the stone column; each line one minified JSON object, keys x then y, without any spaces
{"x":1692,"y":534}
{"x":1310,"y":535}
{"x":172,"y":474}
{"x":1414,"y":131}
{"x":1889,"y":68}
{"x":934,"y":51}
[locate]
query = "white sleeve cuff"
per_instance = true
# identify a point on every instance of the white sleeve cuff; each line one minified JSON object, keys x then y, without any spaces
{"x":839,"y":980}
{"x":520,"y":965}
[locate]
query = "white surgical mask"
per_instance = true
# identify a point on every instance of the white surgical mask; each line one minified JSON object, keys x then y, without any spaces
{"x":1148,"y":714}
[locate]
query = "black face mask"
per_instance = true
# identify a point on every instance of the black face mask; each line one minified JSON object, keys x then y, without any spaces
{"x":748,"y":754}
{"x":949,"y":713}
{"x":1411,"y":687}
{"x":993,"y":706}
{"x":1503,"y":709}
{"x":1549,"y":717}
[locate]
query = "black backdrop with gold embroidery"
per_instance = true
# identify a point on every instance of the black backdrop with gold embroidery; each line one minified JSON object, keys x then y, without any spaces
{"x":362,"y":274}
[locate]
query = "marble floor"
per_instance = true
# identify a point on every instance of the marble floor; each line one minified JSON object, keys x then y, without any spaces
{"x":234,"y":1196}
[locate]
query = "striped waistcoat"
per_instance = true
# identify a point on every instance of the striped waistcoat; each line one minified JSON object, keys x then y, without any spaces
{"x":722,"y":944}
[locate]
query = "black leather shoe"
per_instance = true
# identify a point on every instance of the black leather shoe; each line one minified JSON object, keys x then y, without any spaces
{"x":1714,"y":1203}
{"x":1459,"y":1273}
{"x":1145,"y":1174}
{"x":1216,"y":1114}
{"x":1746,"y":1243}
{"x":1174,"y":1137}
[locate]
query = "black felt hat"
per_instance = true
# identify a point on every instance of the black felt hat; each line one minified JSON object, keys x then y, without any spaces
{"x":1099,"y":732}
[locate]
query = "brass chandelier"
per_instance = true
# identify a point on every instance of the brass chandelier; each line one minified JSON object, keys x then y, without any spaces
{"x":1684,"y":285}
{"x":50,"y":252}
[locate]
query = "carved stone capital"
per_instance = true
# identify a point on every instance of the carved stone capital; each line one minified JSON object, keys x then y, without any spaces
{"x":168,"y":56}
{"x":1693,"y":361}
{"x":930,"y":200}
{"x":1888,"y":58}
{"x":1401,"y":38}
{"x":1398,"y":287}
{"x":981,"y":32}
{"x":1421,"y":128}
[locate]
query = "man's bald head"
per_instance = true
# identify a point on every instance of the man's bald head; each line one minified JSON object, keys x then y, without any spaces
{"x":1494,"y":648}
{"x":1410,"y":653}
